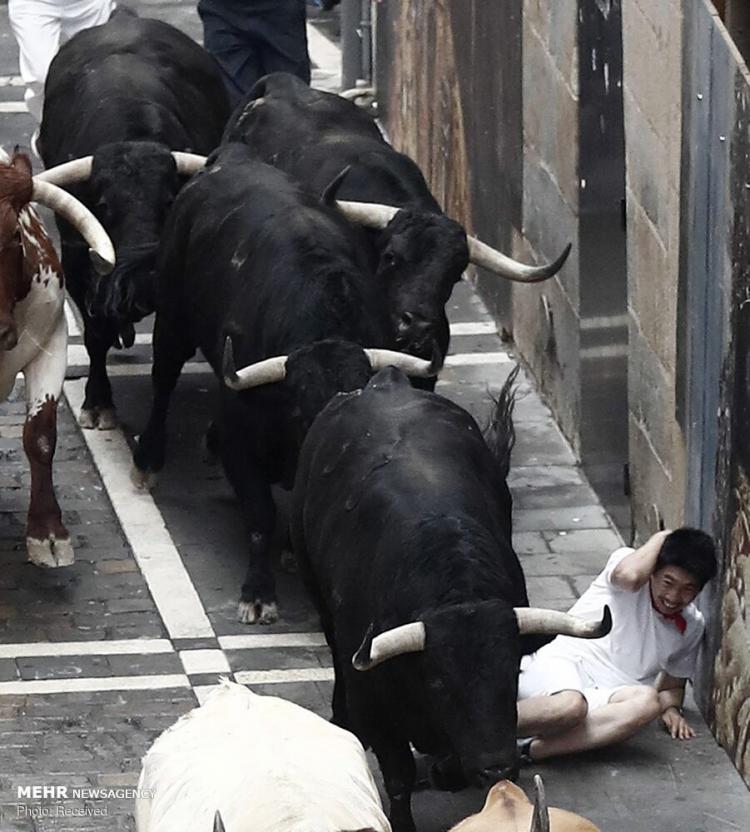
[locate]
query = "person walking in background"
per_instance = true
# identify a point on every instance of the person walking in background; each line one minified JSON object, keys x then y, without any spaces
{"x":40,"y":26}
{"x":250,"y":38}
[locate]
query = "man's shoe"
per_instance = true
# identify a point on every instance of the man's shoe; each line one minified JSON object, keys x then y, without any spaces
{"x":524,"y":750}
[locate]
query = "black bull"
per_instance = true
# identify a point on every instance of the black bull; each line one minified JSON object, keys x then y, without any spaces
{"x":401,"y":523}
{"x":249,"y":256}
{"x":128,"y":93}
{"x":417,"y":253}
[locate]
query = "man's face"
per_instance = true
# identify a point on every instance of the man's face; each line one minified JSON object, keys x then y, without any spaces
{"x":672,"y":589}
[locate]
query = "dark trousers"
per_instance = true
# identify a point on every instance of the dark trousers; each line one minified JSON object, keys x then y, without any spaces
{"x":250,"y":39}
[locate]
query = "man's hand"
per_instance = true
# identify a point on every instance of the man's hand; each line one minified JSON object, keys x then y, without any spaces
{"x":634,"y":570}
{"x":676,"y":725}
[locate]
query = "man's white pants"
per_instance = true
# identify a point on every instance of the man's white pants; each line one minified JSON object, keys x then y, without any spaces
{"x":40,"y":26}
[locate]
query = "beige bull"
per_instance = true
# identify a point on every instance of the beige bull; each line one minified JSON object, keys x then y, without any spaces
{"x":507,"y":809}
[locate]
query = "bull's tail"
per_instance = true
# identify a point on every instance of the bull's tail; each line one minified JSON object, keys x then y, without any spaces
{"x":499,"y":434}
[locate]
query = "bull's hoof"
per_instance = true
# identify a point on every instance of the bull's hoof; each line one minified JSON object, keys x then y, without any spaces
{"x":143,"y":480}
{"x":257,"y":612}
{"x":288,"y":562}
{"x":95,"y":418}
{"x":107,"y":419}
{"x":88,"y":418}
{"x":50,"y":553}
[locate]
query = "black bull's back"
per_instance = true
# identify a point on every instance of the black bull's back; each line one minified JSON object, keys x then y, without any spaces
{"x":131,"y":79}
{"x":313,"y":135}
{"x":377,"y":471}
{"x":249,"y":254}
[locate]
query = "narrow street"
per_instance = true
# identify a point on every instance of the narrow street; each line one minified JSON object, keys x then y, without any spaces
{"x":98,"y":659}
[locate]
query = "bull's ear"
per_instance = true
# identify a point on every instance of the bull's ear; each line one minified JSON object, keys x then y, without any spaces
{"x":218,"y":822}
{"x":21,"y":160}
{"x":328,"y":197}
{"x":540,"y":818}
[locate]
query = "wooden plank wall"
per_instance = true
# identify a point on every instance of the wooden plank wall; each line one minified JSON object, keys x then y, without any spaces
{"x":715,"y":312}
{"x":449,"y":92}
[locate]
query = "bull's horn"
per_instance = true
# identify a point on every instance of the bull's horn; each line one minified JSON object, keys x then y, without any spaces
{"x":101,"y":251}
{"x":188,"y":163}
{"x":410,"y":364}
{"x":369,"y":214}
{"x":408,"y":638}
{"x":539,"y":621}
{"x":495,"y":261}
{"x":268,"y":371}
{"x":68,"y":173}
{"x":356,"y":92}
{"x":79,"y":170}
{"x":540,"y":818}
{"x":219,"y":823}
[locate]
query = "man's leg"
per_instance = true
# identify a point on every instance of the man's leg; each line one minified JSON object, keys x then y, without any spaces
{"x":36,"y":27}
{"x":84,"y":14}
{"x":237,"y":53}
{"x":543,"y":716}
{"x":285,"y":40}
{"x":627,"y":711}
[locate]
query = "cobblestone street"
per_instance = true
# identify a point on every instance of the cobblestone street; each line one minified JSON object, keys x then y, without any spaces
{"x":99,"y":658}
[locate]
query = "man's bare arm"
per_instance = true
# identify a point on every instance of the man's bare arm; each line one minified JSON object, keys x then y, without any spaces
{"x":635,"y":569}
{"x":671,"y":696}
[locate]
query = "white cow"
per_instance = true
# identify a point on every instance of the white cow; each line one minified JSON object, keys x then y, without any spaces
{"x":33,"y":334}
{"x":264,"y":764}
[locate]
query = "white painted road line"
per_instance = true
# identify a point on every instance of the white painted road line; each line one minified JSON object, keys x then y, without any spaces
{"x":474,"y":328}
{"x":204,"y":661}
{"x":101,"y":683}
{"x":202,"y":691}
{"x":477,"y":359}
{"x":13,"y":107}
{"x":193,"y":368}
{"x":122,"y":647}
{"x":260,"y":641}
{"x":605,"y":322}
{"x":279,"y":677}
{"x":74,"y":331}
{"x":153,"y":548}
{"x":604,"y":351}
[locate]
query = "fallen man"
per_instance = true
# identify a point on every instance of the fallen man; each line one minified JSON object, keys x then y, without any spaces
{"x":576,"y":695}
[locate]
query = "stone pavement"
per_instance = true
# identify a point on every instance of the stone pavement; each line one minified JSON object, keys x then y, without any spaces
{"x":97,"y":659}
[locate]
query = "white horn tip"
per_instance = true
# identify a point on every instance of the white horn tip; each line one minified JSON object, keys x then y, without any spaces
{"x":540,"y":816}
{"x":102,"y":265}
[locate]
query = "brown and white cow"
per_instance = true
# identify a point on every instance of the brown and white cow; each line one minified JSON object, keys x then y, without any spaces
{"x":507,"y":809}
{"x":33,"y":333}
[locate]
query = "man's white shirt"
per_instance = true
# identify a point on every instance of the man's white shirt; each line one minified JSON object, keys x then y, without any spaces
{"x":641,"y":643}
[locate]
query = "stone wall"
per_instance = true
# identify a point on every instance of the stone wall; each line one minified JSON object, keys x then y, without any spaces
{"x":652,"y":41}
